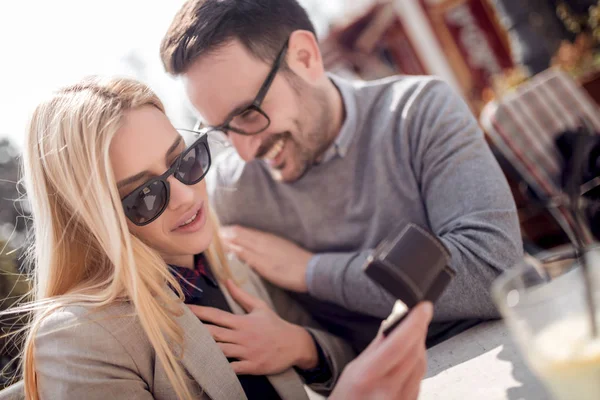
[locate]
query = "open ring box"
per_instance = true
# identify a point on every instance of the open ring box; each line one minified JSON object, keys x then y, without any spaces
{"x":413,"y":267}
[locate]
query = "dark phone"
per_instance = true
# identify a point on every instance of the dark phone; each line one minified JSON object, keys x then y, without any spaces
{"x":411,"y":265}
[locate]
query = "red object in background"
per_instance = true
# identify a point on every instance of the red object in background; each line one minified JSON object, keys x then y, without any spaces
{"x":373,"y":45}
{"x":402,"y":50}
{"x":474,"y":42}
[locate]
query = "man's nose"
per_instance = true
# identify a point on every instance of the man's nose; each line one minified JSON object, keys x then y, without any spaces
{"x":247,"y":145}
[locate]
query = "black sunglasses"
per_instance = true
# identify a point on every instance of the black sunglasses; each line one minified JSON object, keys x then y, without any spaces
{"x":147,"y":202}
{"x":252,"y":119}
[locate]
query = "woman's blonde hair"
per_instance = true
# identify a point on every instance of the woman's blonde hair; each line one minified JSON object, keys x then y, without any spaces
{"x":83,"y":252}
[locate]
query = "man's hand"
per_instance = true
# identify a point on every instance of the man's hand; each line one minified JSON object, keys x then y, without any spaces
{"x":278,"y":260}
{"x":391,"y":367}
{"x":263,"y":343}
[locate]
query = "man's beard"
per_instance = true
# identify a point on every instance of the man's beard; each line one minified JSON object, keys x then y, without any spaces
{"x":317,"y":136}
{"x":314,"y":133}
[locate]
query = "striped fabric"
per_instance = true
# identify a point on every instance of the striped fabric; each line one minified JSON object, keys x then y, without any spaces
{"x":524,"y":124}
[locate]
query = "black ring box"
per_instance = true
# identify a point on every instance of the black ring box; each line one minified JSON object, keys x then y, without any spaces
{"x":411,"y":265}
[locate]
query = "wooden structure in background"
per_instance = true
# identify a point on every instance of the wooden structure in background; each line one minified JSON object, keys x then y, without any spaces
{"x":475,"y":43}
{"x":371,"y":46}
{"x":377,"y":44}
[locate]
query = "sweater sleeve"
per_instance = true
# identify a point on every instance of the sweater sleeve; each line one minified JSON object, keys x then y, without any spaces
{"x":469,"y":207}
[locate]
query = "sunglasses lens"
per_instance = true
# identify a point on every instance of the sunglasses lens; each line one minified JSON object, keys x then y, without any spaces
{"x":194,"y":164}
{"x":149,"y":202}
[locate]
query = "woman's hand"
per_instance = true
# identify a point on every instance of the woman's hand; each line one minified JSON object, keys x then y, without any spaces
{"x":391,"y":367}
{"x":261,"y":341}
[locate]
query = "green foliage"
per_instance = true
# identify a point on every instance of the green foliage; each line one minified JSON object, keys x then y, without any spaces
{"x":13,"y":285}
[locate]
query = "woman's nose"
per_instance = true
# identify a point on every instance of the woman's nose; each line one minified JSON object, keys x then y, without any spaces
{"x":181,"y":194}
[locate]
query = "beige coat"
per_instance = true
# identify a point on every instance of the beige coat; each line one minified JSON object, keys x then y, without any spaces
{"x":107,"y":356}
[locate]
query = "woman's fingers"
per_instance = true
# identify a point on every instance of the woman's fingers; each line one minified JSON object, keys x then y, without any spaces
{"x":412,"y":386}
{"x":403,"y":341}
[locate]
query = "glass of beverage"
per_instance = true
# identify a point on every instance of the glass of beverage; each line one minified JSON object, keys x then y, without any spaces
{"x":549,"y":319}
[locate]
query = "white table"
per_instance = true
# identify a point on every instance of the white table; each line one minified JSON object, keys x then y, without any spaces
{"x":481,"y":363}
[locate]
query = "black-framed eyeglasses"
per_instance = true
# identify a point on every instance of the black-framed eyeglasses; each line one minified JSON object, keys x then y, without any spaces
{"x":148,"y":201}
{"x":252,"y":120}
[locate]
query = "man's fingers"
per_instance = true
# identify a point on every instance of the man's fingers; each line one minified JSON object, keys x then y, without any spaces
{"x":258,"y":264}
{"x":246,"y":255}
{"x":239,"y":251}
{"x":243,"y":298}
{"x":215,"y":316}
{"x":244,"y":368}
{"x":239,"y":235}
{"x":232,"y":350}
{"x":260,"y":241}
{"x":223,"y":335}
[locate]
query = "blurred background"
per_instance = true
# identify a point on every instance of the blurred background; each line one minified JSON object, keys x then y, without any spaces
{"x":488,"y":50}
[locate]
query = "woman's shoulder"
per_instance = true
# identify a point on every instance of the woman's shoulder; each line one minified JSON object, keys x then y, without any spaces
{"x":109,"y":330}
{"x":119,"y":316}
{"x":79,"y":349}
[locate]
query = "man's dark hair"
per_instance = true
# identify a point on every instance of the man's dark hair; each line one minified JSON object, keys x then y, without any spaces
{"x":202,"y":26}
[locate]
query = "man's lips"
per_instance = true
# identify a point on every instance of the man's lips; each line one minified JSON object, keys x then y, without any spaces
{"x":270,"y":142}
{"x":275,"y":158}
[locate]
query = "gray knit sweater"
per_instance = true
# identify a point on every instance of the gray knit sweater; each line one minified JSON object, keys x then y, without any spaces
{"x":409,"y":151}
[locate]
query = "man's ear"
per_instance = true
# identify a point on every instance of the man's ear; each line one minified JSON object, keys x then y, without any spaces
{"x":304,"y":56}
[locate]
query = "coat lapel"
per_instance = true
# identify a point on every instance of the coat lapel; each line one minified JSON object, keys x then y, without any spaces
{"x":287,"y":383}
{"x":206,"y":363}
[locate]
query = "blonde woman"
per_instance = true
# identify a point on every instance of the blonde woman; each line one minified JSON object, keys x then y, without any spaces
{"x":124,"y":236}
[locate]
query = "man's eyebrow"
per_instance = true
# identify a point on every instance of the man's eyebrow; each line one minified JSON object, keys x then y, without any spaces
{"x":143,"y":174}
{"x":241,"y":107}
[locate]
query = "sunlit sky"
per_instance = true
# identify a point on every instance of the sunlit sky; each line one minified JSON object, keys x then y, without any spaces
{"x":46,"y":44}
